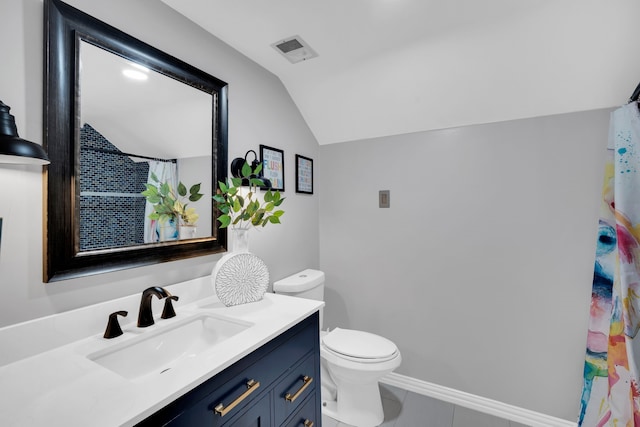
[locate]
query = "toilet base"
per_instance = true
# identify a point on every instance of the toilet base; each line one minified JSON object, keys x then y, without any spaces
{"x":330,"y":409}
{"x":360,"y":407}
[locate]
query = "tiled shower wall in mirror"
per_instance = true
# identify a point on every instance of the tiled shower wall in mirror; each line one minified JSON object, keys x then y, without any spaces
{"x":111,"y":206}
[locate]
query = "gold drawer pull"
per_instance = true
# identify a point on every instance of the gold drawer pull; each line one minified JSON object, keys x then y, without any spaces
{"x":251,"y":387}
{"x":308,"y":423}
{"x":307,"y":380}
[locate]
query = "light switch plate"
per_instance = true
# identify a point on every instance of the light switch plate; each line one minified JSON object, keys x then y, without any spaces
{"x":384,"y":198}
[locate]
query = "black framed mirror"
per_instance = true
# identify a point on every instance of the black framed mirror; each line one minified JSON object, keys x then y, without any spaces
{"x":96,"y":134}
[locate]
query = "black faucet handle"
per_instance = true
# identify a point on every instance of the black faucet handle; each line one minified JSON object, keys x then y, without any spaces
{"x":113,"y":327}
{"x":168,"y":312}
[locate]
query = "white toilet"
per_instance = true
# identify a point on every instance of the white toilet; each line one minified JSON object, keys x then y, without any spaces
{"x":352,"y":361}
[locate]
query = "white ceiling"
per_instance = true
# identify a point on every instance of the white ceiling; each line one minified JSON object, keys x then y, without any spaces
{"x":389,"y":67}
{"x":111,"y":102}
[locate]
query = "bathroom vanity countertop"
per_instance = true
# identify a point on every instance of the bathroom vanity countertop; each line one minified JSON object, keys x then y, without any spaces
{"x":63,"y":387}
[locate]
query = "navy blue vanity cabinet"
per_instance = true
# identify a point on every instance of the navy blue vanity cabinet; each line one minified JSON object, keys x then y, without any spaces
{"x":294,"y":387}
{"x":276,"y":385}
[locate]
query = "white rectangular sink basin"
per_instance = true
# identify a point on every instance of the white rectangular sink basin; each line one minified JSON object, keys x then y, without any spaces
{"x":156,"y":352}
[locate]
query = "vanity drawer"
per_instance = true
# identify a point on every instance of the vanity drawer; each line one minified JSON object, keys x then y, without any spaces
{"x":254,"y":412}
{"x":234,"y":394}
{"x":256,"y":415}
{"x":294,"y":388}
{"x":231,"y":398}
{"x":307,"y":415}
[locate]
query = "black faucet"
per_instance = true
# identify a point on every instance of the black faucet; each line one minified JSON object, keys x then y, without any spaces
{"x":145,"y":315}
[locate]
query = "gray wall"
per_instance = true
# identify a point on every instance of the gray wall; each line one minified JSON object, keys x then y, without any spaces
{"x":480,"y":271}
{"x":261,"y":112}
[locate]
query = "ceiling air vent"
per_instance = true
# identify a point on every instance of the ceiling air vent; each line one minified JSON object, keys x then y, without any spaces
{"x":294,"y":49}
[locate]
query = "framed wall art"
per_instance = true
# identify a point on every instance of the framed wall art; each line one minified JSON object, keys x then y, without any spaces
{"x":304,"y":174}
{"x":273,"y":166}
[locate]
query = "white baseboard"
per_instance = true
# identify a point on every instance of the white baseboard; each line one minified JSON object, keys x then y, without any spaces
{"x":477,"y":403}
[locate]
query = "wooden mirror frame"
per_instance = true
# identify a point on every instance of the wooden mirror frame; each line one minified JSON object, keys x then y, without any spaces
{"x":64,"y":26}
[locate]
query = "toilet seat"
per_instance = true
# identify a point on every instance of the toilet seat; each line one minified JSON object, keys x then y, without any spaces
{"x":359,"y":346}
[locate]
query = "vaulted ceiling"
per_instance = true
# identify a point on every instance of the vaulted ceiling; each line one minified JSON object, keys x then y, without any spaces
{"x":389,"y":67}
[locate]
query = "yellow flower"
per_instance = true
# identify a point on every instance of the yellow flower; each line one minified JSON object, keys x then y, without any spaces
{"x":189,"y":215}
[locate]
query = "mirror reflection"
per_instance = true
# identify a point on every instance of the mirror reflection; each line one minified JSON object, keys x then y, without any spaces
{"x":140,"y":127}
{"x":171,"y":124}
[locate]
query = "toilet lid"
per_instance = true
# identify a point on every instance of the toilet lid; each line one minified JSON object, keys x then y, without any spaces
{"x":359,"y":344}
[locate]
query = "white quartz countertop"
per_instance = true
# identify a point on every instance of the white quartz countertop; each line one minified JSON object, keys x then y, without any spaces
{"x":63,"y":387}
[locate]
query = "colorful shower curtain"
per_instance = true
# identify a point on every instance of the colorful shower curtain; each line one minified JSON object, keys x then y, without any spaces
{"x":166,"y":172}
{"x":611,"y":393}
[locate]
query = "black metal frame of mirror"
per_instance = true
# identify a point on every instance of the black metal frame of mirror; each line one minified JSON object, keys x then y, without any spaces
{"x":64,"y":26}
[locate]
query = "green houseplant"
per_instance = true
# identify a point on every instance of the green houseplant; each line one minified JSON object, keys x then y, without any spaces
{"x":167,"y":204}
{"x":240,"y":276}
{"x":243,"y":210}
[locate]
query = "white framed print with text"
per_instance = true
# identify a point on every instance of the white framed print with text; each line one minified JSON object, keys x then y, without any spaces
{"x":272,"y":167}
{"x":304,"y":174}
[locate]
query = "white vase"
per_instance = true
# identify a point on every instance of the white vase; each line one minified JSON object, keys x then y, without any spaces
{"x":240,"y":277}
{"x":187,"y":231}
{"x":167,"y":231}
{"x":240,"y":239}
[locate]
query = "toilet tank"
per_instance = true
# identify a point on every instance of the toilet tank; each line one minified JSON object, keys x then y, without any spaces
{"x":305,"y":284}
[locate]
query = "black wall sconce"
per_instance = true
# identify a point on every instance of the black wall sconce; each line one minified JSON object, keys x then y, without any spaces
{"x":14,"y":149}
{"x":236,"y":169}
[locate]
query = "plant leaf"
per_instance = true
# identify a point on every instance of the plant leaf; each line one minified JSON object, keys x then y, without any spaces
{"x":257,"y":219}
{"x":154,"y":199}
{"x":225,"y":220}
{"x":182,"y":190}
{"x":236,"y":204}
{"x":246,"y":170}
{"x":274,"y":219}
{"x":164,"y":189}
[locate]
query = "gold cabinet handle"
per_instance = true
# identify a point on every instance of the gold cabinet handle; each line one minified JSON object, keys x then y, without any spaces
{"x":251,"y":387}
{"x":308,"y":423}
{"x":307,"y":380}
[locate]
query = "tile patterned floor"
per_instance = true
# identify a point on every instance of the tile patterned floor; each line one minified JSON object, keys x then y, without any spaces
{"x":407,"y":409}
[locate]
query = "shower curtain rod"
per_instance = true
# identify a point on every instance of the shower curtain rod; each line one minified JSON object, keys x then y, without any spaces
{"x":120,"y":153}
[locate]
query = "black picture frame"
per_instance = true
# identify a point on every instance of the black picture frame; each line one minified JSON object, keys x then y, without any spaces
{"x":304,"y":174}
{"x":272,"y":167}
